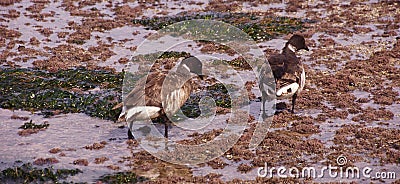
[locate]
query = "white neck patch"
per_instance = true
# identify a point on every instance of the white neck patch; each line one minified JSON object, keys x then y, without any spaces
{"x":292,"y":48}
{"x":186,"y":67}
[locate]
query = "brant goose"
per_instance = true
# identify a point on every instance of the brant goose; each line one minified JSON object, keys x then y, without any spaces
{"x":287,"y":70}
{"x":163,"y":94}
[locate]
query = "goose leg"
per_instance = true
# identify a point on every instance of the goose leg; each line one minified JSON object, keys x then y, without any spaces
{"x":166,"y":136}
{"x":130,"y":135}
{"x":293,"y":101}
{"x":263,"y":106}
{"x":166,"y":129}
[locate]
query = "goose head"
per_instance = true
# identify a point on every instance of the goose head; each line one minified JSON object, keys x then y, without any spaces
{"x":297,"y":42}
{"x":192,"y":65}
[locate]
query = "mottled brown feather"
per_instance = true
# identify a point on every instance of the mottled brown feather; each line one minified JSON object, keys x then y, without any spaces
{"x":286,"y":67}
{"x":152,"y":94}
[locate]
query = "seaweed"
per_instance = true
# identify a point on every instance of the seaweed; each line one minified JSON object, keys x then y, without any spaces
{"x":238,"y":63}
{"x":174,"y":54}
{"x":259,"y":27}
{"x":29,"y":174}
{"x":30,"y":125}
{"x":65,"y":91}
{"x":122,"y":177}
{"x":218,"y":92}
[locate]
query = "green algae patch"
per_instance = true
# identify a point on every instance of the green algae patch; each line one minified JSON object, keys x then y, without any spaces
{"x":238,"y":63}
{"x":93,"y":92}
{"x":260,"y":27}
{"x":218,"y":92}
{"x":221,"y":95}
{"x":29,"y":128}
{"x":29,"y":174}
{"x":122,"y":177}
{"x":174,"y":54}
{"x":30,"y":125}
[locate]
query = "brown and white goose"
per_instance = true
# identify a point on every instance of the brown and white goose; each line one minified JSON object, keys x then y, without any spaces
{"x":287,"y":70}
{"x":163,"y":94}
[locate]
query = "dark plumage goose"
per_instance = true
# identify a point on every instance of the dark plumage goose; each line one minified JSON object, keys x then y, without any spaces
{"x":164,"y":94}
{"x":287,"y":70}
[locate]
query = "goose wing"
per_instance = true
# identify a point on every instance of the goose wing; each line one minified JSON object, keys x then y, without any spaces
{"x":150,"y":96}
{"x":176,"y":91}
{"x":276,"y":63}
